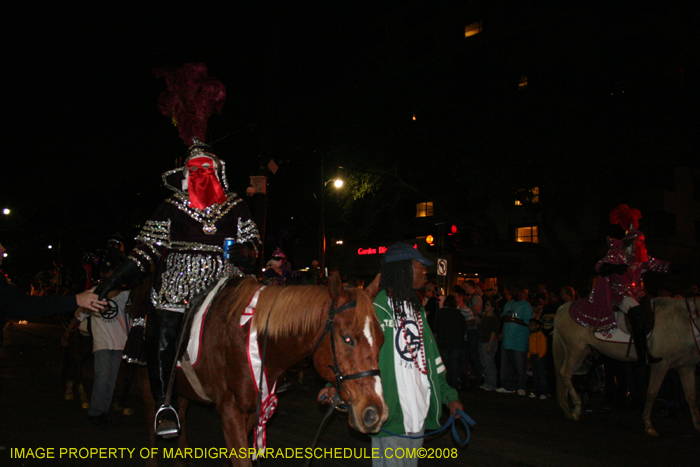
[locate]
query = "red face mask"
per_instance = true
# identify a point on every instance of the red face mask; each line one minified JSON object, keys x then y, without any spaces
{"x":203,"y":186}
{"x":640,"y":250}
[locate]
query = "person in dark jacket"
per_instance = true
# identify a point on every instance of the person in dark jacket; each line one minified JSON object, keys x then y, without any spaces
{"x":16,"y":305}
{"x":449,"y":328}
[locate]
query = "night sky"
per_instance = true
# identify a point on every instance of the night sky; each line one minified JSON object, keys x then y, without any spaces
{"x":85,"y":143}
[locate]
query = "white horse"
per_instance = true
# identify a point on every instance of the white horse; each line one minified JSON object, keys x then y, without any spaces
{"x":674,"y":338}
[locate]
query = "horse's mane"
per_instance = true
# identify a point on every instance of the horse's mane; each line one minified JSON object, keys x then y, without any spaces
{"x":292,"y":309}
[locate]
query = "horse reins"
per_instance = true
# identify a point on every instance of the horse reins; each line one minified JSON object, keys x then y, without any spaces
{"x":339,"y":376}
{"x":330,"y":329}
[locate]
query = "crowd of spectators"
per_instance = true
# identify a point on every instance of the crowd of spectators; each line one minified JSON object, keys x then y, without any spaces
{"x":509,"y":348}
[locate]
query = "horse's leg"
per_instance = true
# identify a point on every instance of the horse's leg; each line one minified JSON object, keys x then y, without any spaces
{"x":657,"y":373}
{"x":687,"y":375}
{"x":233,"y":422}
{"x":182,"y":440}
{"x":559,"y":353}
{"x":572,"y":362}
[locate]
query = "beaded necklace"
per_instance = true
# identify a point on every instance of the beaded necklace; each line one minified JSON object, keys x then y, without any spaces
{"x":402,"y":325}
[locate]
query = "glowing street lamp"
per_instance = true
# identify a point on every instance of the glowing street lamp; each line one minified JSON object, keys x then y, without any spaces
{"x":6,"y":211}
{"x":337,"y":183}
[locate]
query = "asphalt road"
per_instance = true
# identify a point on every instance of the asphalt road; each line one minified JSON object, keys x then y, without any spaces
{"x":510,"y":430}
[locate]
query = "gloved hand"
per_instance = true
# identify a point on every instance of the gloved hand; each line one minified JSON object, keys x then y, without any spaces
{"x":243,"y":255}
{"x":128,"y":273}
{"x":608,"y":268}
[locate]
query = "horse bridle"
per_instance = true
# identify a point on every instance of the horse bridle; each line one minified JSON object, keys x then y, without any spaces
{"x":330,"y":328}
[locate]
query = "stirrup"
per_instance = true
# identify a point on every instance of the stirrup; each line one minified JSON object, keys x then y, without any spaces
{"x":167,"y":423}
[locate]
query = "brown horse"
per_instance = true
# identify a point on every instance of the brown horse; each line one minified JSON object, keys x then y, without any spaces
{"x":673,"y":340}
{"x":297,"y":321}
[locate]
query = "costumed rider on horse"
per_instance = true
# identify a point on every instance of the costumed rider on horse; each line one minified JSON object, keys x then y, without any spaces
{"x":620,"y":286}
{"x":197,"y":236}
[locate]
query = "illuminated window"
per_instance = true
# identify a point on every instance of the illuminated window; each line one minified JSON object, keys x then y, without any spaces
{"x":522,"y":84}
{"x":424,"y":209}
{"x":527,"y":196}
{"x":527,"y":234}
{"x":472,"y":29}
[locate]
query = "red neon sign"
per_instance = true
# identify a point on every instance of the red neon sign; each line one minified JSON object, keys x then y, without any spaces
{"x":373,"y":251}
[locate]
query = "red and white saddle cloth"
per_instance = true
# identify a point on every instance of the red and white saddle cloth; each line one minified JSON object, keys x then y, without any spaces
{"x":197,"y":329}
{"x":268,"y":399}
{"x":620,"y":334}
{"x":268,"y":403}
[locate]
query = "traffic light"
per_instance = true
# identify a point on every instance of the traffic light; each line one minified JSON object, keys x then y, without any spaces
{"x":452,"y":240}
{"x":432,"y":247}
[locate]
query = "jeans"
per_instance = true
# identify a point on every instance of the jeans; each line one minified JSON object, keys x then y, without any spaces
{"x":451,"y":358}
{"x":488,"y":359}
{"x":513,"y":363}
{"x":464,"y":363}
{"x":474,"y":358}
{"x":390,"y":444}
{"x":107,"y":364}
{"x":539,"y":374}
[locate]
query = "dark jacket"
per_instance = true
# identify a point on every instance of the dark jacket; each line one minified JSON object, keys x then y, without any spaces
{"x":17,"y":305}
{"x":449,"y":328}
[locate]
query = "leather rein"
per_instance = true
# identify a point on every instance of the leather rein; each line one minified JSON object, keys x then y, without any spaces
{"x":330,"y":329}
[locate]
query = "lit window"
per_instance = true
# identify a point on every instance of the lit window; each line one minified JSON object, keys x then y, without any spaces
{"x":424,"y":209}
{"x":527,"y":234}
{"x":472,"y":29}
{"x":523,"y":82}
{"x":527,"y":196}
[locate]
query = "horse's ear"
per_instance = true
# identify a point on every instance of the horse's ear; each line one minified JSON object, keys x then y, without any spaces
{"x":335,"y":286}
{"x":373,"y":288}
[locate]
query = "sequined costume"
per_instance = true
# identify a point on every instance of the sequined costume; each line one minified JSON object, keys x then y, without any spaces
{"x":184,"y":238}
{"x":619,"y":284}
{"x":596,"y":312}
{"x":186,"y":246}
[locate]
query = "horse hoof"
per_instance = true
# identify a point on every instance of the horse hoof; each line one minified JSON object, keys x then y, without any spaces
{"x":85,"y":405}
{"x":70,"y":397}
{"x":576,"y":417}
{"x":652,"y":432}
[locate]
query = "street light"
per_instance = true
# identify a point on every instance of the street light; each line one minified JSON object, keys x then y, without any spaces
{"x":337,"y":183}
{"x":6,"y":211}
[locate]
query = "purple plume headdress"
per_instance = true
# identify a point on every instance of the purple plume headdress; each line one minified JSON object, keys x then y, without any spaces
{"x":191,"y":98}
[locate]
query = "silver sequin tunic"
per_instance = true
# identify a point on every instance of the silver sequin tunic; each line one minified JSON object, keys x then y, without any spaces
{"x":186,"y":247}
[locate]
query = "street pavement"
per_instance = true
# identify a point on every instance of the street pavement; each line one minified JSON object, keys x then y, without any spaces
{"x":510,"y":430}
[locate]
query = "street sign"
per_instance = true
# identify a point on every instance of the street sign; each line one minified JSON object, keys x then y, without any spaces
{"x":442,"y":267}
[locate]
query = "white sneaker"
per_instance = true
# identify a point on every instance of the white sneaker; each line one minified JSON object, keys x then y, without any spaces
{"x":532,"y":395}
{"x":521,"y":392}
{"x":504,"y":391}
{"x":543,"y":397}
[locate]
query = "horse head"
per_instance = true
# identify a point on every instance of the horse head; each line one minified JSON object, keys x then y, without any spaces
{"x":350,"y":358}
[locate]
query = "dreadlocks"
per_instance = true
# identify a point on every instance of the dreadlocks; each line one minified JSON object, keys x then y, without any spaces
{"x":397,"y":279}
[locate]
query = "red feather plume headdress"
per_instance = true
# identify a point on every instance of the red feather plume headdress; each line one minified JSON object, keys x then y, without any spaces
{"x":625,"y":217}
{"x":191,"y":98}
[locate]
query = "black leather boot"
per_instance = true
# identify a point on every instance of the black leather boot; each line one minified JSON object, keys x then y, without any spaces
{"x":639,"y":335}
{"x":161,"y":354}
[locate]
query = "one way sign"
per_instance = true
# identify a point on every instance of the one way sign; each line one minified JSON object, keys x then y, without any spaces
{"x":442,"y":267}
